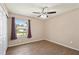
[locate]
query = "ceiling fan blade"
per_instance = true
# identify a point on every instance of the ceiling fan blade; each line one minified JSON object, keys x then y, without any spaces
{"x":39,"y":16}
{"x":36,"y":12}
{"x":51,"y":12}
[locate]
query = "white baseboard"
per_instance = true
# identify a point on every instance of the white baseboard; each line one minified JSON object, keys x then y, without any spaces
{"x":62,"y":44}
{"x":47,"y":40}
{"x":20,"y":43}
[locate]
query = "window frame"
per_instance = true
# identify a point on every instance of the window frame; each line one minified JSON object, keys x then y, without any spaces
{"x":26,"y":29}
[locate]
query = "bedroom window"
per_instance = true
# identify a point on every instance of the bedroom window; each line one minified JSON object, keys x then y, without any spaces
{"x":21,"y":27}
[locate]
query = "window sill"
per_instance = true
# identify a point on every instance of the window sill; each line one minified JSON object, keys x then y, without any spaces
{"x":21,"y":36}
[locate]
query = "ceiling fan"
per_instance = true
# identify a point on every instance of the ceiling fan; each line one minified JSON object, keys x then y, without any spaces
{"x":44,"y":13}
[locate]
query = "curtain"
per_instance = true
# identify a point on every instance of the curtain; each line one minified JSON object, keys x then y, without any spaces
{"x":29,"y":30}
{"x":13,"y":29}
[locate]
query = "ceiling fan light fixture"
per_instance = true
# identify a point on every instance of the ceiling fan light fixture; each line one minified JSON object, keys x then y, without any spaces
{"x":44,"y":16}
{"x":44,"y":13}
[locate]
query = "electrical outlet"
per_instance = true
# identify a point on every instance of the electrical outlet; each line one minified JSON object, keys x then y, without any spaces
{"x":70,"y":41}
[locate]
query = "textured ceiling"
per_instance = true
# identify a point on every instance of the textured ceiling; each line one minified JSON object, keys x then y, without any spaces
{"x":27,"y":8}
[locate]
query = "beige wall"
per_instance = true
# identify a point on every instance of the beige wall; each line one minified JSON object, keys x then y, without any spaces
{"x":37,"y":31}
{"x":64,"y":29}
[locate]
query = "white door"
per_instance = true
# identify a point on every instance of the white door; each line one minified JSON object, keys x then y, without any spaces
{"x":3,"y":32}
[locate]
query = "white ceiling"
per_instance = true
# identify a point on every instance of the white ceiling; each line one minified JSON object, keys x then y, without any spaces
{"x":27,"y":8}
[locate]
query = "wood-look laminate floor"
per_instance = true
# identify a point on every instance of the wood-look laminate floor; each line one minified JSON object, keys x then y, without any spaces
{"x":41,"y":48}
